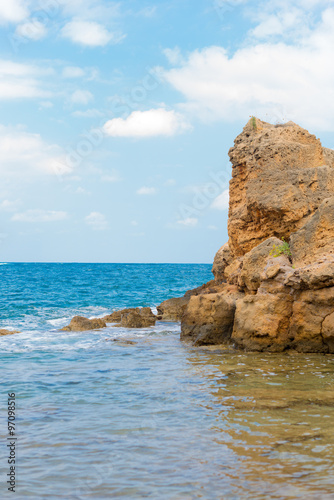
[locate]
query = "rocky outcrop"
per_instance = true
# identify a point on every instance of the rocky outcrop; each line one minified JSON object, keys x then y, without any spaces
{"x":172,"y":309}
{"x":262,"y":320}
{"x":280,"y":176}
{"x":208,"y":318}
{"x":3,"y":331}
{"x":143,"y":312}
{"x":280,"y":257}
{"x":223,"y":258}
{"x":116,"y":316}
{"x":133,"y":317}
{"x":82,"y":324}
{"x":140,"y":318}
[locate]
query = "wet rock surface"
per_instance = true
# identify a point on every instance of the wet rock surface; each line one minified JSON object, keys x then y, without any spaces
{"x":3,"y":331}
{"x":173,"y":309}
{"x":81,"y":324}
{"x":208,"y":318}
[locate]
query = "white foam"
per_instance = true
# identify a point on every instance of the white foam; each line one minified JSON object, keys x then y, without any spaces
{"x":59,"y":321}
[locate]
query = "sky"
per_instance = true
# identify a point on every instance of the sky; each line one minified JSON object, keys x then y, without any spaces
{"x":116,"y":118}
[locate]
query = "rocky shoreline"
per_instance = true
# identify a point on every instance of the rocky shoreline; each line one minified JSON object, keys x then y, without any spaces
{"x":273,"y":286}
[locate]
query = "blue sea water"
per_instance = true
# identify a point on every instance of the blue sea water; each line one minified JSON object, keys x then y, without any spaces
{"x":156,"y":419}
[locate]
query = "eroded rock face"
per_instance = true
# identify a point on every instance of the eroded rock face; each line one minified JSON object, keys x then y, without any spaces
{"x":280,"y":176}
{"x":262,"y":323}
{"x":311,"y":327}
{"x":81,"y":324}
{"x":254,"y":263}
{"x":282,"y":187}
{"x":138,"y":319}
{"x":116,"y":316}
{"x":316,"y":238}
{"x":212,"y":286}
{"x":172,"y":309}
{"x":233,"y":271}
{"x":144,"y":314}
{"x":208,"y":319}
{"x":314,"y":276}
{"x":223,"y":258}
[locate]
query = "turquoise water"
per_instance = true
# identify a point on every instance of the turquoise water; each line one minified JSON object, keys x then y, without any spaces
{"x":156,"y":419}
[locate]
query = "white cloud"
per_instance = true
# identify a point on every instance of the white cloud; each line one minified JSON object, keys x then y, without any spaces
{"x":148,"y":11}
{"x":114,"y":176}
{"x":89,"y":113}
{"x":89,"y":33}
{"x":46,"y":104}
{"x":26,"y":153}
{"x":151,"y":123}
{"x":81,"y":97}
{"x":276,"y":81}
{"x":97,"y":221}
{"x":73,"y":72}
{"x":39,"y":216}
{"x":188,"y":222}
{"x":9,"y":206}
{"x":33,"y":30}
{"x":222,"y":201}
{"x":174,"y":56}
{"x":12,"y":11}
{"x":81,"y":190}
{"x":20,"y":81}
{"x":146,"y":190}
{"x":97,"y":10}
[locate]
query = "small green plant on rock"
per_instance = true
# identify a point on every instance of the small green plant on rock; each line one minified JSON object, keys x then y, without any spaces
{"x":253,"y":123}
{"x":283,"y":249}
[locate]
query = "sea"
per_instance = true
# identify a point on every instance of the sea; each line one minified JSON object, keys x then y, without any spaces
{"x":154,"y":418}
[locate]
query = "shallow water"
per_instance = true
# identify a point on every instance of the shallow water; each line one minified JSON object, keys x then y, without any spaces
{"x":156,"y":419}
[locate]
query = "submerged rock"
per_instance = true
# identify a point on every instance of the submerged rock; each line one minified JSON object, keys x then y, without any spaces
{"x":122,"y":342}
{"x":81,"y":324}
{"x":3,"y":331}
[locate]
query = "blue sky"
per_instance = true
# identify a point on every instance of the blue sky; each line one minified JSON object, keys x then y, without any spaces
{"x":117,"y":117}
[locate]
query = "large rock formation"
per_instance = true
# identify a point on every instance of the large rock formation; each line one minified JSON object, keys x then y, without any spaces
{"x":280,"y":176}
{"x":281,"y":193}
